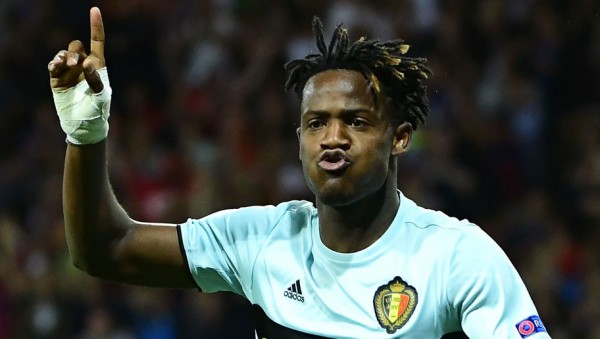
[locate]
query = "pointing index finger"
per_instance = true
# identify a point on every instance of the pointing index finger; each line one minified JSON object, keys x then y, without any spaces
{"x":97,"y":33}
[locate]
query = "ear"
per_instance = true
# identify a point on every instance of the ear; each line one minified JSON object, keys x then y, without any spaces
{"x":402,"y":137}
{"x":299,"y":144}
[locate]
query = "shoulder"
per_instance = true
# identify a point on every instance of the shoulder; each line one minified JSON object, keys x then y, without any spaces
{"x":470,"y":259}
{"x":260,"y":216}
{"x":419,"y":219}
{"x":458,"y":241}
{"x":294,"y":207}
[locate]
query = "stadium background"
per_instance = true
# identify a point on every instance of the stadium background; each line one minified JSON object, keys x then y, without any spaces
{"x":200,"y":122}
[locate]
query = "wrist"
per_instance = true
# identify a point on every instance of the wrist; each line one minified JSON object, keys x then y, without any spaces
{"x":83,"y":114}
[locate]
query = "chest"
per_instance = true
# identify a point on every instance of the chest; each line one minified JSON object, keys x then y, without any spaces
{"x":388,"y":295}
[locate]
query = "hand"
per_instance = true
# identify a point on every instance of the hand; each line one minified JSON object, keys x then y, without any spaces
{"x":73,"y":65}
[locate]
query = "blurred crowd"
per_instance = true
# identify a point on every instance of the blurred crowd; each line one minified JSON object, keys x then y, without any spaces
{"x":200,"y":122}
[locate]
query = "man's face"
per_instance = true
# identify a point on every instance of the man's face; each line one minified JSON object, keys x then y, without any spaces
{"x":345,"y":138}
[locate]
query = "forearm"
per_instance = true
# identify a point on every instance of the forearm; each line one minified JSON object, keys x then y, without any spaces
{"x":102,"y":239}
{"x":94,"y":220}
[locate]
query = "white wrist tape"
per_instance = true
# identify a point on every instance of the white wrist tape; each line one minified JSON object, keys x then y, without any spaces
{"x":84,"y":114}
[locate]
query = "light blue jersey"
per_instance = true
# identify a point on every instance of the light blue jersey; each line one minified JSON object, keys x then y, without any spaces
{"x":427,"y":276}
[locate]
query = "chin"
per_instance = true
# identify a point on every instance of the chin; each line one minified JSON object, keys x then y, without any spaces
{"x":336,"y":192}
{"x":335,"y":197}
{"x":335,"y":202}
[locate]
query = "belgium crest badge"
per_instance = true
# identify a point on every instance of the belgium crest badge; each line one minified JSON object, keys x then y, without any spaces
{"x":394,"y":303}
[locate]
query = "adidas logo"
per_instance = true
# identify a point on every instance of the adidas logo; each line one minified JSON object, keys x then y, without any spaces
{"x":294,"y":292}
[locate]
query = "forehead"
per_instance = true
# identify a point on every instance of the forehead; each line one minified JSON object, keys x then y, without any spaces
{"x":336,"y":89}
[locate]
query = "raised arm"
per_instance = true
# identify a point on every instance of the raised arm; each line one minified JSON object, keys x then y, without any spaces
{"x":103,"y":240}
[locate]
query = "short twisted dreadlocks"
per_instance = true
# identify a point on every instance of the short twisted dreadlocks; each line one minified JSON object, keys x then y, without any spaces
{"x":382,"y":63}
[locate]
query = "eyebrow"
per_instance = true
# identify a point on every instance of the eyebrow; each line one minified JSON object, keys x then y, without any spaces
{"x":345,"y":112}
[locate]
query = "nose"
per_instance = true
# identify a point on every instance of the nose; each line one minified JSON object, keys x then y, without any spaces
{"x":335,"y":136}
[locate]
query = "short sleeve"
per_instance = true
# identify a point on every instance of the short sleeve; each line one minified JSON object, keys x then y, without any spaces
{"x":221,"y":249}
{"x":486,"y":292}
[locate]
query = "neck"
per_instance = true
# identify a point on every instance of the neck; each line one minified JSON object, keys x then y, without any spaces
{"x":354,"y":227}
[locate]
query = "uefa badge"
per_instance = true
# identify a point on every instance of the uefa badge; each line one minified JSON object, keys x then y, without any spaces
{"x":394,"y":303}
{"x":530,"y":326}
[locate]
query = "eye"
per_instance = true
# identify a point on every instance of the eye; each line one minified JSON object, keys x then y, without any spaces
{"x":358,"y":122}
{"x":315,"y":124}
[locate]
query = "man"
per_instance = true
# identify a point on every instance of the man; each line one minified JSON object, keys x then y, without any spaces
{"x":367,"y":262}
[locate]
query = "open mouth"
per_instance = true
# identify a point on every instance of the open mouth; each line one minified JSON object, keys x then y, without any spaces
{"x":334,"y":161}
